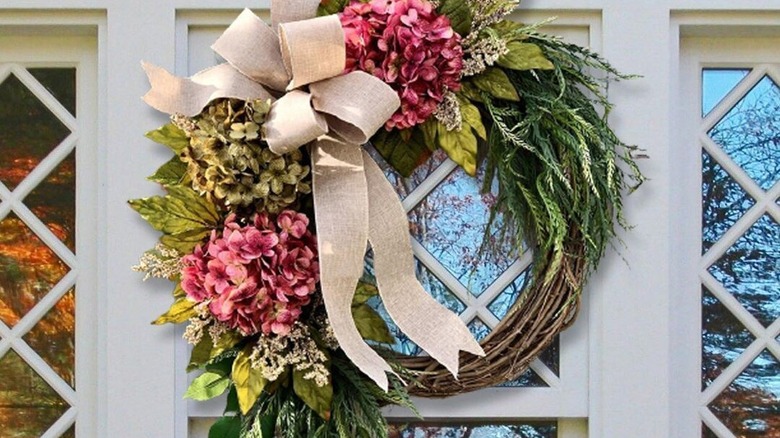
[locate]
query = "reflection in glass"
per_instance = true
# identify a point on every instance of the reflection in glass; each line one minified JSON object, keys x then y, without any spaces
{"x":54,"y":201}
{"x":53,"y":338}
{"x":28,"y":269}
{"x":28,"y":131}
{"x":750,"y":406}
{"x":540,"y":429}
{"x":750,"y":133}
{"x":716,"y":84}
{"x":28,"y":405}
{"x":723,"y":201}
{"x":405,"y":186}
{"x":508,"y":297}
{"x":60,"y":82}
{"x":749,"y":270}
{"x":723,"y":338}
{"x":707,"y":433}
{"x":551,"y":356}
{"x":450,"y":223}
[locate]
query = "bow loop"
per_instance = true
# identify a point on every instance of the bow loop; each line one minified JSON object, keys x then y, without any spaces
{"x":299,"y":39}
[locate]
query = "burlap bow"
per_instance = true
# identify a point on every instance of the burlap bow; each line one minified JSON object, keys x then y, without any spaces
{"x":353,"y":201}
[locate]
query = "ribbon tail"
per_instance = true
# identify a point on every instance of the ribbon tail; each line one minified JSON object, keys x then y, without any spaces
{"x":423,"y":319}
{"x":341,"y":211}
{"x":188,"y":96}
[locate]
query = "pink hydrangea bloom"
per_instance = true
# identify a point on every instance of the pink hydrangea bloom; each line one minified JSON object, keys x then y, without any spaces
{"x":410,"y":47}
{"x":256,"y":277}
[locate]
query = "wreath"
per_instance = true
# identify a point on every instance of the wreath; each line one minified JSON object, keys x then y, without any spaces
{"x":272,"y":202}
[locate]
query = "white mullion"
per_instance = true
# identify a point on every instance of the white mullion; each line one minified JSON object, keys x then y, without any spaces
{"x":5,"y":346}
{"x":46,"y":303}
{"x":543,"y":371}
{"x":731,"y":372}
{"x":62,"y":424}
{"x":733,"y":97}
{"x":714,"y":424}
{"x":45,"y":234}
{"x":442,"y":273}
{"x":45,"y":167}
{"x":429,"y":184}
{"x":734,"y":170}
{"x":46,"y":98}
{"x":505,"y":279}
{"x":732,"y":304}
{"x":731,"y":236}
{"x":43,"y":369}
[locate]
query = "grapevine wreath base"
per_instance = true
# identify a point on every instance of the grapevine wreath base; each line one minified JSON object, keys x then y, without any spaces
{"x":272,"y":201}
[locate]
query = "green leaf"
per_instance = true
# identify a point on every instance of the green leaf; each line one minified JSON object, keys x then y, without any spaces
{"x":330,"y":7}
{"x":471,"y":116}
{"x":201,"y":354}
{"x":226,"y":427}
{"x":180,"y":211}
{"x":170,"y":135}
{"x":461,"y":147}
{"x":231,"y":406}
{"x":178,"y":292}
{"x":318,"y":398}
{"x":370,"y":325}
{"x":459,"y":13}
{"x":364,"y":292}
{"x":430,"y":129}
{"x":404,"y":156}
{"x":249,"y":381}
{"x":181,"y":310}
{"x":207,"y":386}
{"x":495,"y":82}
{"x":470,"y":91}
{"x":525,"y":56}
{"x":170,"y":173}
{"x":508,"y":30}
{"x":185,"y":242}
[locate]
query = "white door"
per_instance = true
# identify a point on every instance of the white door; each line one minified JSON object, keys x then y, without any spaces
{"x":631,"y":366}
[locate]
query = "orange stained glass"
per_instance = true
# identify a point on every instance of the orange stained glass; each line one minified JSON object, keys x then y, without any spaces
{"x":54,"y":201}
{"x":53,"y":338}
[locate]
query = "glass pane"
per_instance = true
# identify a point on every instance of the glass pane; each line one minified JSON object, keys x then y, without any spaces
{"x":28,"y":405}
{"x":53,"y":338}
{"x":54,"y":201}
{"x":723,"y":202}
{"x":750,"y":406}
{"x":450,"y":223}
{"x":723,"y":338}
{"x":716,"y":84}
{"x":405,"y":186}
{"x":70,"y":433}
{"x":28,"y":131}
{"x":28,"y":269}
{"x":508,"y":297}
{"x":551,"y":356}
{"x":541,"y":429}
{"x":749,"y":133}
{"x":61,"y":83}
{"x":707,"y":433}
{"x":749,"y":270}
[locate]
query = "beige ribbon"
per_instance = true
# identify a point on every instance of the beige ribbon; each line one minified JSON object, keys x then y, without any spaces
{"x":354,"y":203}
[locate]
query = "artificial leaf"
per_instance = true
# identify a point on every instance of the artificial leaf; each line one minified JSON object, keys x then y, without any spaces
{"x":249,"y":381}
{"x":201,"y":353}
{"x":318,"y":398}
{"x":226,"y":427}
{"x":185,"y":242}
{"x":404,"y":156}
{"x":170,"y":173}
{"x":181,"y":310}
{"x":471,"y":116}
{"x":207,"y":386}
{"x":370,"y":325}
{"x":508,"y":30}
{"x":178,"y":292}
{"x":180,"y":211}
{"x":461,"y":147}
{"x":170,"y":135}
{"x":524,"y":56}
{"x":224,"y":343}
{"x":470,"y":91}
{"x":364,"y":292}
{"x":459,"y":13}
{"x":429,"y":131}
{"x":231,"y":405}
{"x":495,"y":82}
{"x":330,"y":7}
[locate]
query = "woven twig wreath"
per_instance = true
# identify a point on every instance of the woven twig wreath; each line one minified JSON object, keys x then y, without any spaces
{"x":543,"y":311}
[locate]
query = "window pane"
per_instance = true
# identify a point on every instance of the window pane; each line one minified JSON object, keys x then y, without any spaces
{"x":716,"y":85}
{"x":425,"y":430}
